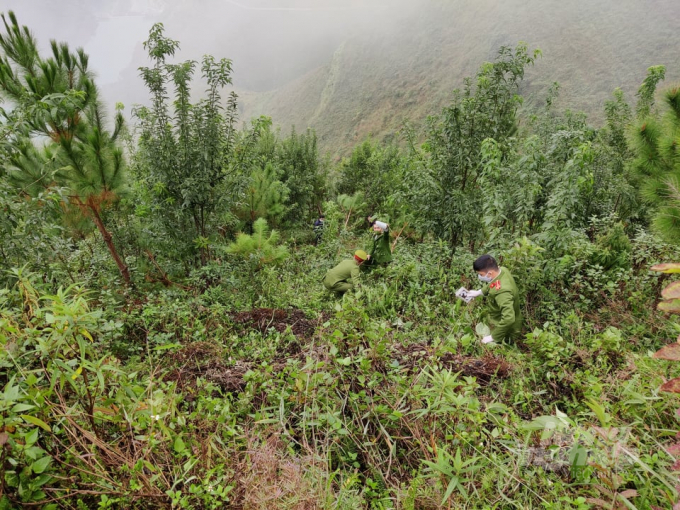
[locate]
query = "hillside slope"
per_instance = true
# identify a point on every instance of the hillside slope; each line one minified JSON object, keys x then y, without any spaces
{"x":408,"y":69}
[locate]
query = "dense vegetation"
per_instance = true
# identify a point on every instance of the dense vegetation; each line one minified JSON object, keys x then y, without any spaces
{"x":167,"y":342}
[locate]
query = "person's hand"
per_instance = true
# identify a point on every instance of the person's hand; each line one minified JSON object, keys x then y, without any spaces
{"x":474,"y":293}
{"x":487,"y":339}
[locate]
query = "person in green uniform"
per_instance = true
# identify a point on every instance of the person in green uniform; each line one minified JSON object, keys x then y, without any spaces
{"x":505,"y":317}
{"x":345,"y":276}
{"x":381,"y":251}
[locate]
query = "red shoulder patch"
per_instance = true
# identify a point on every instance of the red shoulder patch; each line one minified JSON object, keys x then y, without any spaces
{"x":495,"y":285}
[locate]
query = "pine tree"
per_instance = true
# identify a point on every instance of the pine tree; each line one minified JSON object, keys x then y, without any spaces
{"x":262,"y":246}
{"x":56,"y":99}
{"x":265,"y":196}
{"x":656,"y":140}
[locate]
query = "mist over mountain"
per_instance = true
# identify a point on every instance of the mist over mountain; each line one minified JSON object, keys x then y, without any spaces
{"x":271,"y":42}
{"x":375,"y":81}
{"x":354,"y":68}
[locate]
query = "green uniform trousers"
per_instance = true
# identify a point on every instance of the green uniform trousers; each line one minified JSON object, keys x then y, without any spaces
{"x":340,"y":287}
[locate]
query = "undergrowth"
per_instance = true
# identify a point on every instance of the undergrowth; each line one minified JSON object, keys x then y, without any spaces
{"x":211,"y":397}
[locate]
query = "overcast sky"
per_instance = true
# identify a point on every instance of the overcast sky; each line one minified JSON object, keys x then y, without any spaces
{"x":591,"y":46}
{"x":270,"y":41}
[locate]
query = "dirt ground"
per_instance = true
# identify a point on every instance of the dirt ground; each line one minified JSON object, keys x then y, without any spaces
{"x":263,"y":319}
{"x":484,"y":369}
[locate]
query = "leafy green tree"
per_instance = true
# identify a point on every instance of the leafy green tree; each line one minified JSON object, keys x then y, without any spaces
{"x":302,"y":173}
{"x":352,"y":205}
{"x":299,"y":169}
{"x":619,"y":117}
{"x":558,"y":178}
{"x":647,"y":91}
{"x":509,"y":205}
{"x":374,"y":170}
{"x":656,"y":141}
{"x":445,"y":192}
{"x":32,"y":227}
{"x":354,"y":171}
{"x":60,"y":137}
{"x":186,"y":151}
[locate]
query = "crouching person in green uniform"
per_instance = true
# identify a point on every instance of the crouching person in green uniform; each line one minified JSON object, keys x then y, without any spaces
{"x":505,"y":318}
{"x":345,"y":276}
{"x":381,"y":251}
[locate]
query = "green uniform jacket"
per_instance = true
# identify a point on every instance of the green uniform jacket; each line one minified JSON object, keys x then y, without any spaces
{"x":346,"y":271}
{"x":381,"y":253}
{"x":503,"y":300}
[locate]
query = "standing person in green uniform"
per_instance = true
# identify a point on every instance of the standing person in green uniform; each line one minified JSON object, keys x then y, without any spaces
{"x":502,"y":296}
{"x":381,"y":251}
{"x":345,"y":276}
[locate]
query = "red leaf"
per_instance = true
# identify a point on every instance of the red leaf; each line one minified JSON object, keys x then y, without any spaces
{"x":672,"y":386}
{"x":599,"y":502}
{"x":670,"y":351}
{"x":672,"y":291}
{"x":629,"y":493}
{"x":672,"y":267}
{"x":674,"y":450}
{"x":672,"y":306}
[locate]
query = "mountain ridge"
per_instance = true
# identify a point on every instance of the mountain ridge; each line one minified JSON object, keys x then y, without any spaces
{"x":408,"y":71}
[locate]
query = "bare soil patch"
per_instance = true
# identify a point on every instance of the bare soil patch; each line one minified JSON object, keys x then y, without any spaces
{"x":204,"y":359}
{"x":262,"y":319}
{"x":484,"y":369}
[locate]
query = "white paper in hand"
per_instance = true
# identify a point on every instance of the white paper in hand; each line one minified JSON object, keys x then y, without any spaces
{"x":462,"y":293}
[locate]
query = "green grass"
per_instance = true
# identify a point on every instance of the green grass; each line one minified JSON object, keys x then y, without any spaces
{"x":386,"y":400}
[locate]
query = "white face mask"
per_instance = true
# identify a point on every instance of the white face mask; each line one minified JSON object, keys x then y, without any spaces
{"x":485,"y":278}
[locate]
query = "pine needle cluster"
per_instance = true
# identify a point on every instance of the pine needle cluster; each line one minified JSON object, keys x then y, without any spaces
{"x":262,"y":247}
{"x":657,"y":144}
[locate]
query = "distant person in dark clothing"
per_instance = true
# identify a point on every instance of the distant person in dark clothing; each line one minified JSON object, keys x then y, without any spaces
{"x":319,"y":225}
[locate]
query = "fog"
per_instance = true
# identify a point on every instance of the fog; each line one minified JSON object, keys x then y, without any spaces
{"x":270,"y":42}
{"x":355,"y":68}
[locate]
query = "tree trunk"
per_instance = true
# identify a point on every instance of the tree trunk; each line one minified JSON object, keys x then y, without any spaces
{"x":204,"y":250}
{"x":124,"y":271}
